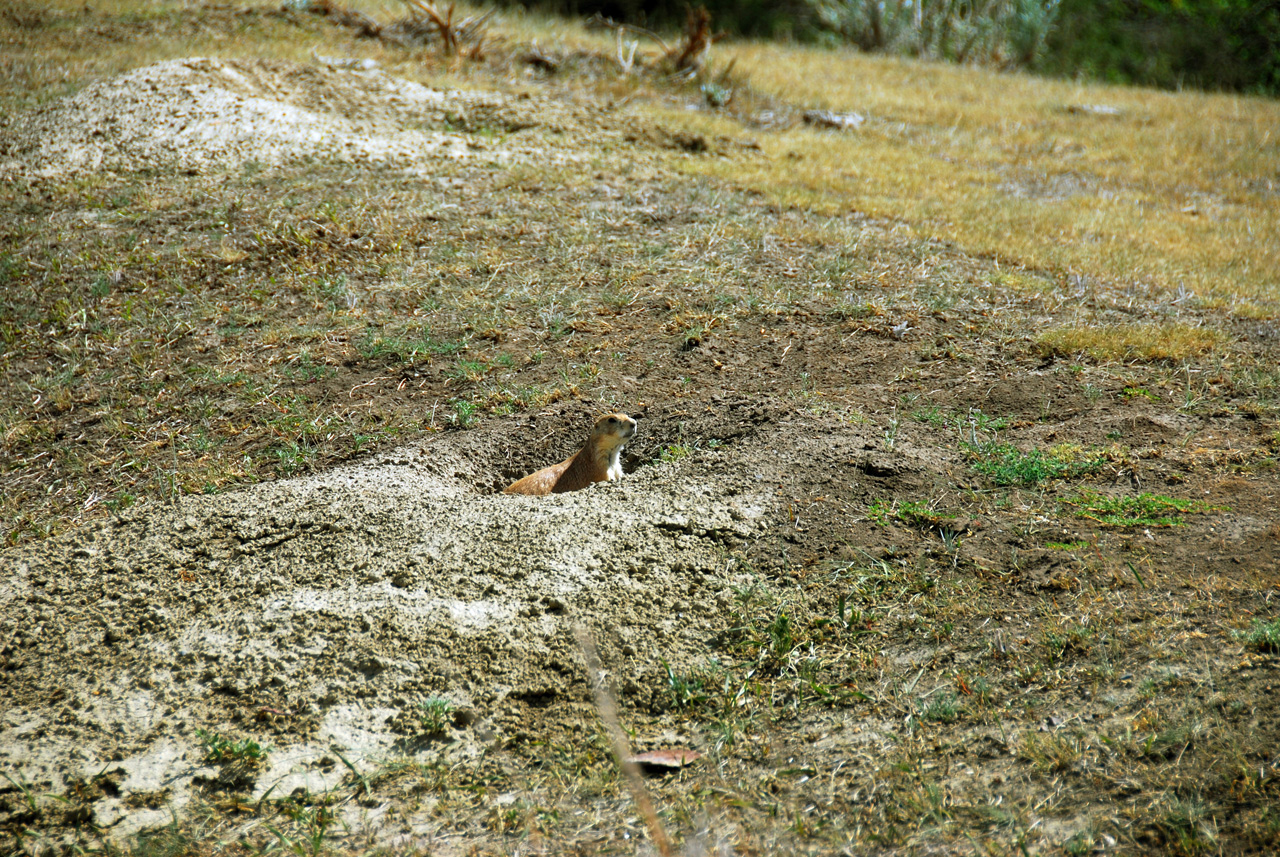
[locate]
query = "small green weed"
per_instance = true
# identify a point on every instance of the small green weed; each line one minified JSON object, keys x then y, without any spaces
{"x":435,"y":714}
{"x":1139,"y":393}
{"x":686,"y":691}
{"x":1263,"y":636}
{"x":673,"y":452}
{"x":306,"y":369}
{"x":31,"y":798}
{"x":681,"y":449}
{"x":1145,"y":510}
{"x":715,"y":94}
{"x":123,"y":500}
{"x":219,"y":749}
{"x":468,"y":370}
{"x":308,"y":831}
{"x":1052,"y":753}
{"x":891,"y":434}
{"x":292,"y":457}
{"x":1059,"y":643}
{"x":941,"y":709}
{"x":969,"y":424}
{"x":464,"y":413}
{"x":848,"y":619}
{"x":1079,"y":845}
{"x":932,"y":416}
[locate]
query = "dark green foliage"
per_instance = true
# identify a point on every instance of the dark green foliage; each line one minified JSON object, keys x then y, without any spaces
{"x":1215,"y":44}
{"x":789,"y":18}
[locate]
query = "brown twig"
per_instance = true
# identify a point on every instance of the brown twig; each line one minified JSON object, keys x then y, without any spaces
{"x":619,"y":744}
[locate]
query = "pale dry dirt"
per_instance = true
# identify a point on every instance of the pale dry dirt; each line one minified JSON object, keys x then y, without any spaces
{"x":316,"y":614}
{"x":199,"y":114}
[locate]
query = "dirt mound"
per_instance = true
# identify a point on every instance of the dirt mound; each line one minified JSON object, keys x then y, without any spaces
{"x":200,"y":114}
{"x":331,"y":607}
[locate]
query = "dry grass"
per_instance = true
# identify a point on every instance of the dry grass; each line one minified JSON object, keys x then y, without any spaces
{"x":1178,"y":190}
{"x":1171,"y":343}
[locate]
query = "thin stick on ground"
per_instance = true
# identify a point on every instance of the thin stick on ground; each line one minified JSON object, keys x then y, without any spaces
{"x":619,"y":744}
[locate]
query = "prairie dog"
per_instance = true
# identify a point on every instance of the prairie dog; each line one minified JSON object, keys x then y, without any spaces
{"x":597,"y":461}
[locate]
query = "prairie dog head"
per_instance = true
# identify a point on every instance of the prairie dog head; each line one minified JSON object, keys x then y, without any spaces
{"x":612,"y":431}
{"x":609,"y":435}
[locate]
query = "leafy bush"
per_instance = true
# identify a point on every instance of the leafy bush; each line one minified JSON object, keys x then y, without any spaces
{"x":1007,"y":32}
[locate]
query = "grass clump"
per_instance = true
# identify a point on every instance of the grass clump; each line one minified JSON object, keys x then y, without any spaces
{"x":942,"y":709}
{"x":1144,"y":510}
{"x":1005,"y":464}
{"x":1149,"y":343}
{"x":1050,"y":754}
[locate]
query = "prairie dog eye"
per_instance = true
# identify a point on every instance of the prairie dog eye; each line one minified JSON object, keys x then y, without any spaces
{"x":613,"y":421}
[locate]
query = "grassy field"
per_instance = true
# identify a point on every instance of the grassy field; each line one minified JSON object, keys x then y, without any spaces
{"x":1058,"y":303}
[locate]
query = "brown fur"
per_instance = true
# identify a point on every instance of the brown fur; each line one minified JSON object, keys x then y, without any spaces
{"x":591,"y":464}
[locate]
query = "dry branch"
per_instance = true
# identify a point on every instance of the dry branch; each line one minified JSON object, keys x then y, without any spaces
{"x":698,"y":40}
{"x":454,"y":35}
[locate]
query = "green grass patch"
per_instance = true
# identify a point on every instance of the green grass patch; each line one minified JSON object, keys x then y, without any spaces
{"x":910,"y":512}
{"x":1005,"y":464}
{"x":1144,"y":510}
{"x":395,"y":349}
